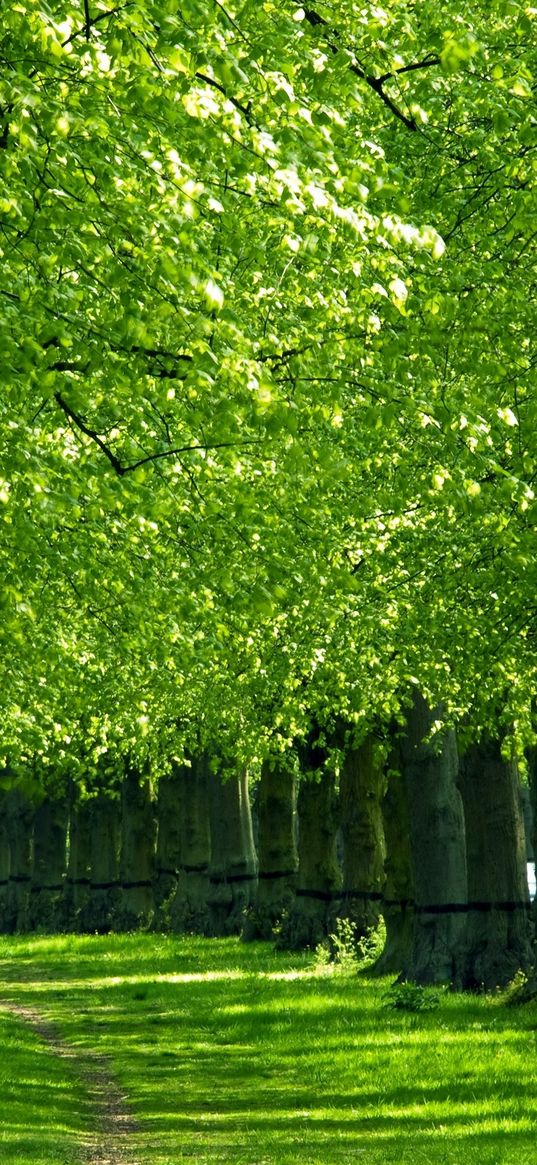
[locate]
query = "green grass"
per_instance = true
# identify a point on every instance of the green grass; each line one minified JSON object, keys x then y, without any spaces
{"x":234,"y":1055}
{"x":43,"y":1111}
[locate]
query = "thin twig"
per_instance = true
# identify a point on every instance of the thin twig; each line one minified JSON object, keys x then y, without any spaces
{"x":87,"y":23}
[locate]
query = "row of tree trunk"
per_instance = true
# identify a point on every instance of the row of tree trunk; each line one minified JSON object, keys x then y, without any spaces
{"x":457,"y":901}
{"x":436,"y":844}
{"x":184,"y":862}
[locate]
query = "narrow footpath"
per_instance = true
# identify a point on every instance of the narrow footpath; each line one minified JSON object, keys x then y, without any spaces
{"x":108,"y":1106}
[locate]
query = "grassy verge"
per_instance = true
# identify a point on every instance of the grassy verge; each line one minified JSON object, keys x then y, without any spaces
{"x":232,"y":1055}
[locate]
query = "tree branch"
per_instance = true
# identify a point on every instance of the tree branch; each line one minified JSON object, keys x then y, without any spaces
{"x":375,"y":83}
{"x":87,"y":20}
{"x":222,"y":89}
{"x":120,"y":469}
{"x":426,"y":63}
{"x":81,"y":424}
{"x":90,"y":22}
{"x":191,"y":449}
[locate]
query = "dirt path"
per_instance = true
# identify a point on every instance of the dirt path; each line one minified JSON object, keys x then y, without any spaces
{"x":109,"y":1107}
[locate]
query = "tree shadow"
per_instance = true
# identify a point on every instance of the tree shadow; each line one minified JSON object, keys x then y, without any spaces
{"x":229,"y":1055}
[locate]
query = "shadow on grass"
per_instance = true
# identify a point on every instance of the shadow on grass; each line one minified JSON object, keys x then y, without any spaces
{"x":42,"y":1110}
{"x":231,"y":1054}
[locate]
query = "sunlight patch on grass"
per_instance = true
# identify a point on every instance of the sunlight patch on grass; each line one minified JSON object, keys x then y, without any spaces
{"x":42,"y":1110}
{"x":234,"y":1055}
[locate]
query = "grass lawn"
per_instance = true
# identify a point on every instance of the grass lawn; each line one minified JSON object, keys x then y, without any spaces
{"x":43,"y":1108}
{"x":234,"y":1055}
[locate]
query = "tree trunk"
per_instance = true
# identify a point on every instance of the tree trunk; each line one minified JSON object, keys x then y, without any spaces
{"x":527,"y":817}
{"x":233,"y":865}
{"x":361,"y":786}
{"x":277,"y":852}
{"x":21,"y":821}
{"x":398,"y":906}
{"x":168,"y":853}
{"x":189,"y":912}
{"x":78,"y":876}
{"x":438,"y":854}
{"x":137,"y":861}
{"x":103,"y":899}
{"x":312,"y":916}
{"x":531,"y":757}
{"x":4,"y":862}
{"x":48,"y":867}
{"x":499,"y":930}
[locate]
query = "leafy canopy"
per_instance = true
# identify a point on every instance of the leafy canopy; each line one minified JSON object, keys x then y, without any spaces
{"x":267,"y":415}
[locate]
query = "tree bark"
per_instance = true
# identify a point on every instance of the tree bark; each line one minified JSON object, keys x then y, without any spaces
{"x":137,"y":860}
{"x":21,"y":820}
{"x":438,"y":852}
{"x":98,"y":912}
{"x":527,"y":817}
{"x":361,"y":787}
{"x":189,"y":912}
{"x":48,"y":867}
{"x":531,"y":758}
{"x":277,"y":851}
{"x":4,"y":862}
{"x":499,"y":929}
{"x":78,"y":876}
{"x":312,"y":916}
{"x":398,"y":906}
{"x":233,"y":864}
{"x":168,"y":852}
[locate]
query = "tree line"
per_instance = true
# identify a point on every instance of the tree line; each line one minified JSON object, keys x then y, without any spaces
{"x":401,"y":828}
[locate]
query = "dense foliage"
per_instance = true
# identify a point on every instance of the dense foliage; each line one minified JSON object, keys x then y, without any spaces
{"x":267,"y":427}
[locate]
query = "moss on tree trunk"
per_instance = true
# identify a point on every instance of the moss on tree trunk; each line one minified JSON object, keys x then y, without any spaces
{"x":78,"y":875}
{"x":188,"y":906}
{"x":398,"y":906}
{"x":48,"y":866}
{"x":103,"y":898}
{"x":168,"y":850}
{"x":4,"y":862}
{"x":531,"y":757}
{"x":137,"y":860}
{"x":312,"y":916}
{"x":21,"y":820}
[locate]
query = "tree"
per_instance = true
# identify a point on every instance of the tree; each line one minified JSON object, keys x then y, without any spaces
{"x":361,"y":789}
{"x":276,"y":847}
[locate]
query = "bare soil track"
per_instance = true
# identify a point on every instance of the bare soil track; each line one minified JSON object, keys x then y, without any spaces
{"x":109,"y":1144}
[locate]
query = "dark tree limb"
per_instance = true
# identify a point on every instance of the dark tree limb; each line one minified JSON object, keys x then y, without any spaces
{"x":245,"y":109}
{"x":81,"y":424}
{"x":116,"y":464}
{"x":87,"y":20}
{"x":375,"y":83}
